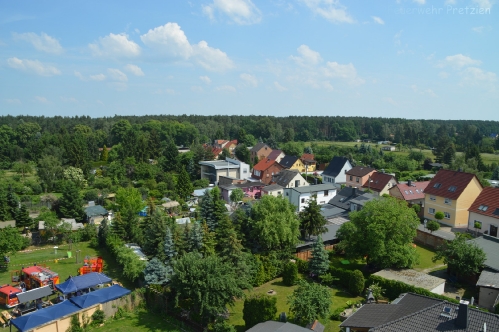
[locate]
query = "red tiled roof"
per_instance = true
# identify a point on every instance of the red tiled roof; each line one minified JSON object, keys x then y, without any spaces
{"x":414,"y":191}
{"x":378,"y":181}
{"x":449,"y":184}
{"x":229,"y":143}
{"x":216,"y":151}
{"x":488,"y":200}
{"x":360,"y":171}
{"x":264,"y":164}
{"x":308,"y":157}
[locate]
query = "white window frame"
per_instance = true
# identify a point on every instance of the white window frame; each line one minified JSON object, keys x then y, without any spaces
{"x":447,"y":215}
{"x":433,"y":198}
{"x":430,"y":211}
{"x":257,"y":173}
{"x":448,"y":201}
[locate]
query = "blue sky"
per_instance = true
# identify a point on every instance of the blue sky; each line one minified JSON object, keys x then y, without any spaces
{"x":411,"y":59}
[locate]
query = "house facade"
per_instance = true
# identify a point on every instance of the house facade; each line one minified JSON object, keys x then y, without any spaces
{"x":251,"y":190}
{"x":292,"y":163}
{"x":411,"y":192}
{"x":299,"y":196}
{"x":380,"y":183}
{"x":357,"y":176}
{"x":273,"y":190}
{"x":289,"y":178}
{"x":260,"y":151}
{"x":276,"y":155}
{"x":212,"y":170}
{"x":336,"y":171}
{"x":453,"y":193}
{"x":309,"y":163}
{"x":265,"y":170}
{"x":484,"y":212}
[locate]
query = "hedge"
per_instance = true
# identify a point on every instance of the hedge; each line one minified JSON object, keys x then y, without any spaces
{"x":394,"y":288}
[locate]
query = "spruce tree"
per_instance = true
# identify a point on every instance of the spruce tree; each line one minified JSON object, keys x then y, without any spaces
{"x":157,"y":273}
{"x":12,"y":202}
{"x":319,"y":263}
{"x":178,"y":240}
{"x":196,"y":237}
{"x":229,"y":247}
{"x":170,"y":154}
{"x":169,"y":252}
{"x":118,"y":227}
{"x":184,"y":186}
{"x":495,"y":173}
{"x":154,"y":232}
{"x":212,"y":208}
{"x":70,"y":204}
{"x":105,"y":154}
{"x":23,"y":219}
{"x":4,"y":206}
{"x":209,"y":241}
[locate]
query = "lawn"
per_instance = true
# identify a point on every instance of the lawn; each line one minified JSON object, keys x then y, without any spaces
{"x":142,"y":321}
{"x":339,"y":298}
{"x":64,"y":266}
{"x":425,"y":262}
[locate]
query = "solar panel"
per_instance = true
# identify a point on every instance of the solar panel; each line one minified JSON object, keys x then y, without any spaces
{"x":447,"y":310}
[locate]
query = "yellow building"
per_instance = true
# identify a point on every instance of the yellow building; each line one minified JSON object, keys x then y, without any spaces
{"x":452,"y":193}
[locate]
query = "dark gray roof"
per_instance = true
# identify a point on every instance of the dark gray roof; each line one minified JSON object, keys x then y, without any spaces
{"x":439,"y":233}
{"x":284,"y":177}
{"x":95,"y":210}
{"x":242,"y":185}
{"x":329,"y":235}
{"x":343,"y":197}
{"x":490,"y":245}
{"x":335,"y":166}
{"x":434,"y":318}
{"x":271,"y":326}
{"x":258,"y":147}
{"x":372,"y":315}
{"x":332,"y":211}
{"x":488,"y":278}
{"x":363,"y":199}
{"x":288,"y":161}
{"x":34,"y":294}
{"x":272,"y":187}
{"x":315,"y":188}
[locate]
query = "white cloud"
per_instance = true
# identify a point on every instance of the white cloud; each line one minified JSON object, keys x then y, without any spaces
{"x":475,"y":76}
{"x":136,"y":70}
{"x":460,"y":61}
{"x":42,"y":42}
{"x":426,"y":92}
{"x":115,"y":46}
{"x":168,"y":39}
{"x":331,"y":10}
{"x":346,"y":72}
{"x":378,"y":20}
{"x":41,"y":100}
{"x":239,"y":11}
{"x":117,"y":75}
{"x":197,"y":89}
{"x":279,"y":87}
{"x":327,"y":85}
{"x":450,"y":2}
{"x":443,"y":74}
{"x":13,"y":101}
{"x":225,"y":88}
{"x":249,"y":79}
{"x":484,"y":3}
{"x":396,"y":38}
{"x":205,"y":79}
{"x":210,"y":58}
{"x":170,"y":91}
{"x":419,"y":2}
{"x":33,"y":66}
{"x":79,"y":75}
{"x":390,"y":100}
{"x":98,"y":77}
{"x":69,"y":100}
{"x":478,"y":29}
{"x":307,"y":56}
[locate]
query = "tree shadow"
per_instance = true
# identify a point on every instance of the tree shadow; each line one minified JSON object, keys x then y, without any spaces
{"x":240,"y":328}
{"x":112,"y":269}
{"x":278,"y":283}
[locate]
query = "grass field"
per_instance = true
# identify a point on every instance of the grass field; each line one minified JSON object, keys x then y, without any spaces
{"x":339,"y":298}
{"x":425,"y":262}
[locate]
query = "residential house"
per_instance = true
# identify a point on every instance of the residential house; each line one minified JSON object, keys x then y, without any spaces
{"x":273,"y":326}
{"x":95,"y":213}
{"x":75,"y":226}
{"x":452,"y":193}
{"x":251,"y":189}
{"x":484,"y":212}
{"x":305,"y":247}
{"x":358,"y":203}
{"x":212,"y":170}
{"x":220,"y":143}
{"x":416,"y":313}
{"x":265,"y":170}
{"x":289,"y":178}
{"x":379,"y":183}
{"x":336,"y":170}
{"x":309,"y":163}
{"x":388,"y":148}
{"x":339,"y":205}
{"x":292,"y":162}
{"x":276,"y":155}
{"x":299,"y":196}
{"x":411,"y":192}
{"x":260,"y":151}
{"x":357,"y":176}
{"x":273,"y":190}
{"x":230,"y":146}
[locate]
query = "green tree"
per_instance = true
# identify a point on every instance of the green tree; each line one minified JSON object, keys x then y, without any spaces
{"x":104,"y":154}
{"x":212,"y":208}
{"x":223,"y":326}
{"x":195,"y":237}
{"x":184,"y":186}
{"x":70,"y":204}
{"x":208,"y":284}
{"x":229,"y":247}
{"x":275,"y":224}
{"x":49,"y":171}
{"x":258,"y":309}
{"x":439,"y":215}
{"x":432,"y":225}
{"x":319,"y":263}
{"x":11,"y":241}
{"x":312,"y":222}
{"x":242,"y":153}
{"x":12,"y":201}
{"x":154,"y":232}
{"x":236,"y":195}
{"x":310,"y":301}
{"x":4,"y":205}
{"x":157,"y":273}
{"x":22,"y":168}
{"x":133,"y":267}
{"x":209,"y":241}
{"x":169,"y":251}
{"x":129,"y":199}
{"x":290,"y":274}
{"x":169,"y":162}
{"x":371,"y":233}
{"x":495,"y":173}
{"x":76,"y":176}
{"x":356,"y":282}
{"x":118,"y":227}
{"x":462,"y":257}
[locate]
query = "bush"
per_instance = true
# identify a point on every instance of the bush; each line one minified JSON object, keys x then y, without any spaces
{"x":98,"y":317}
{"x":259,"y":308}
{"x":223,"y":327}
{"x":103,"y":183}
{"x":432,"y":225}
{"x":357,"y":282}
{"x":302,"y":266}
{"x":343,"y":276}
{"x":91,"y":195}
{"x":290,"y":274}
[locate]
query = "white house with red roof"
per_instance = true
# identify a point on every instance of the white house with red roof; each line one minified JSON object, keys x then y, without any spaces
{"x":484,"y":212}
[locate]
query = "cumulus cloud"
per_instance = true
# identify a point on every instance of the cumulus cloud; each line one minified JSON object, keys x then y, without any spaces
{"x":117,"y":75}
{"x":239,"y":11}
{"x":279,"y":87}
{"x":69,"y":99}
{"x":427,"y":92}
{"x":41,"y":100}
{"x":205,"y":79}
{"x":459,"y":61}
{"x":378,"y":20}
{"x":475,"y":76}
{"x":211,"y":58}
{"x":42,"y":42}
{"x":33,"y":66}
{"x":136,"y":70}
{"x":331,"y":10}
{"x":307,"y":56}
{"x":197,"y":89}
{"x":483,"y":3}
{"x":346,"y":72}
{"x":225,"y":88}
{"x":249,"y":79}
{"x":98,"y":77}
{"x":114,"y":46}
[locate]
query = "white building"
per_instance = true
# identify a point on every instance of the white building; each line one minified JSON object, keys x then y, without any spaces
{"x":299,"y":196}
{"x":336,"y":170}
{"x":233,"y":168}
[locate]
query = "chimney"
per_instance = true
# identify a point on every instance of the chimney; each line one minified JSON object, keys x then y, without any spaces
{"x":462,"y":319}
{"x":409,"y":183}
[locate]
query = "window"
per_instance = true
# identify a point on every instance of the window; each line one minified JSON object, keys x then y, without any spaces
{"x":452,"y":188}
{"x":278,"y":193}
{"x":433,"y":198}
{"x":483,"y":207}
{"x":496,"y":212}
{"x":351,"y":178}
{"x":447,"y":215}
{"x":287,"y":193}
{"x":297,"y":183}
{"x":431,"y":210}
{"x":437,"y":185}
{"x":257,"y":173}
{"x":245,"y":170}
{"x":303,"y":200}
{"x":448,"y":201}
{"x":326,"y":192}
{"x":357,"y":179}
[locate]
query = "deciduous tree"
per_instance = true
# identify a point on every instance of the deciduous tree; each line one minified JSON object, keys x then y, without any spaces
{"x":462,"y":257}
{"x":310,"y":301}
{"x":70,"y":204}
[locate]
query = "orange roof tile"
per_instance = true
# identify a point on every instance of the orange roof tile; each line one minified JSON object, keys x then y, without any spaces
{"x":487,"y":203}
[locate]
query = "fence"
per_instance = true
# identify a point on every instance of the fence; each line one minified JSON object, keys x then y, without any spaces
{"x":307,"y":254}
{"x":429,"y":239}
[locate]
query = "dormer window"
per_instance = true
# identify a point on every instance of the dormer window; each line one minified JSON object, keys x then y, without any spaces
{"x":437,"y":185}
{"x":452,"y":188}
{"x":483,"y":208}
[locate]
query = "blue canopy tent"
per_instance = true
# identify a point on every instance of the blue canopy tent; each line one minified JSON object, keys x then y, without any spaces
{"x":43,"y":316}
{"x":75,"y":284}
{"x":100,"y":296}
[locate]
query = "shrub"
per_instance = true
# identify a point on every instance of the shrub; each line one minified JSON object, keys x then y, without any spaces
{"x":103,"y":183}
{"x":98,"y":317}
{"x":259,"y":308}
{"x":302,"y":266}
{"x":416,"y":208}
{"x":91,"y":195}
{"x":290,"y":274}
{"x":432,"y":225}
{"x":357,"y":282}
{"x":223,"y":327}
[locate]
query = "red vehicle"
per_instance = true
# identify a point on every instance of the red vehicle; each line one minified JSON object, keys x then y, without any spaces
{"x":8,"y":296}
{"x":36,"y":276}
{"x":92,"y":264}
